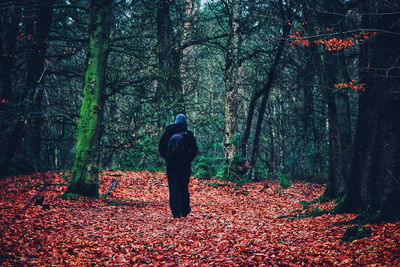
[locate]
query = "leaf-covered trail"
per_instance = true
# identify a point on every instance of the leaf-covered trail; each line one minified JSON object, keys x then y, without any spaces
{"x":133,"y":225}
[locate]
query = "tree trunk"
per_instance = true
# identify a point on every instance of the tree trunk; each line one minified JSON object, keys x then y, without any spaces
{"x":265,"y":93}
{"x":343,"y":114}
{"x":357,"y":190}
{"x":8,"y":31}
{"x":190,"y":10}
{"x":249,"y":121}
{"x":38,"y":66}
{"x":340,"y":139}
{"x":231,"y":101}
{"x":375,"y":184}
{"x":84,"y":179}
{"x":310,"y":137}
{"x":266,"y":88}
{"x":169,"y":60}
{"x":334,"y":71}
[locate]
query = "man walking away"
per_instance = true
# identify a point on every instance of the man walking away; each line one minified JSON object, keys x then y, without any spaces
{"x":178,"y":147}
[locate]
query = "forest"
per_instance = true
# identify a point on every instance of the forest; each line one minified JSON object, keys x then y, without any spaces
{"x":295,"y":106}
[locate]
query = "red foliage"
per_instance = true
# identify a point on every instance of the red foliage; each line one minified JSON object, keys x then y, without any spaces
{"x":332,"y":44}
{"x":133,"y":226}
{"x":24,"y":37}
{"x":336,"y":44}
{"x":353,"y":84}
{"x":299,"y":40}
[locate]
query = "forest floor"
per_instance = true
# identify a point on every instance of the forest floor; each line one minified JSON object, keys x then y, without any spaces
{"x":255,"y":224}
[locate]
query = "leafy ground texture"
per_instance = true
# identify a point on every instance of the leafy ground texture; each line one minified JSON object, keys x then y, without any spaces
{"x":255,"y":224}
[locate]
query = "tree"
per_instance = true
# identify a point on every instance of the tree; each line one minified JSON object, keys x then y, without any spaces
{"x":374,"y":183}
{"x":84,"y":178}
{"x":231,"y":79}
{"x":334,"y":71}
{"x":37,"y":32}
{"x":9,"y":28}
{"x":169,"y":59}
{"x":265,"y":96}
{"x":264,"y":93}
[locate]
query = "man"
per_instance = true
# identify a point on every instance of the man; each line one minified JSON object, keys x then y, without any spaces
{"x":178,"y":147}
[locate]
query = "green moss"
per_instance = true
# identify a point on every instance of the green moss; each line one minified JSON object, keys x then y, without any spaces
{"x":316,"y":213}
{"x":325,"y":196}
{"x":356,"y":232}
{"x":306,"y":204}
{"x":84,"y":178}
{"x":68,"y":195}
{"x":66,"y":177}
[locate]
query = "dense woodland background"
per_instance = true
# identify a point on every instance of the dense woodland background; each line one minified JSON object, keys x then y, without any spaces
{"x":274,"y":89}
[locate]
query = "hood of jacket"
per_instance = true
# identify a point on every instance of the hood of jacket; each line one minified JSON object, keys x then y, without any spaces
{"x":176,"y":128}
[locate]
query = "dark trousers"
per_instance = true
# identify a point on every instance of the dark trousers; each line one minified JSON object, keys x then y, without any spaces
{"x":178,"y":183}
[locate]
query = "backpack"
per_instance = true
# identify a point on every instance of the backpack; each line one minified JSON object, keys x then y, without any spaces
{"x":175,"y":147}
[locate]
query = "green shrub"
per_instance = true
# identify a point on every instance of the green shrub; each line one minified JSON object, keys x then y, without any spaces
{"x":261,"y":173}
{"x":284,"y":180}
{"x":206,"y":167}
{"x":234,"y":173}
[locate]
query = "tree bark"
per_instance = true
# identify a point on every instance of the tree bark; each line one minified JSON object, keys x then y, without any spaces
{"x":340,"y":139}
{"x":190,"y":10}
{"x":231,"y":99}
{"x":357,"y":190}
{"x":374,"y":185}
{"x":265,"y":92}
{"x":169,"y":60}
{"x":311,"y":137}
{"x":38,"y":66}
{"x":84,"y":179}
{"x":334,"y":70}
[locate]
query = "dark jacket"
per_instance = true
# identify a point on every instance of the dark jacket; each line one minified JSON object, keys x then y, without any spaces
{"x":188,"y":140}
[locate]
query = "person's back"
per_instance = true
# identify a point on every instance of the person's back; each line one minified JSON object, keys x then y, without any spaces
{"x":178,"y":147}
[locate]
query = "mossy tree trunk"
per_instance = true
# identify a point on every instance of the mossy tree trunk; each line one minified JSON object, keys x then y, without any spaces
{"x":84,"y":179}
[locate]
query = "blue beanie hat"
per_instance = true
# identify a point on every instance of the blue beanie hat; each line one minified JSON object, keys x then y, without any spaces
{"x":180,"y":118}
